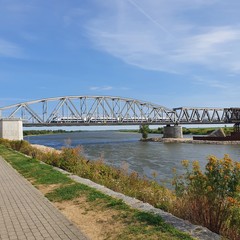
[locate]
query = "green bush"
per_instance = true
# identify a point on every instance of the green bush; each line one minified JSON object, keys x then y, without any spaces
{"x":144,"y":130}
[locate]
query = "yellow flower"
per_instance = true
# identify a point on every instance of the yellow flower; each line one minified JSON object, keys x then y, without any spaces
{"x":209,"y":188}
{"x":237,"y":165}
{"x":212,"y":160}
{"x":185,"y":163}
{"x":196,"y":165}
{"x":210,"y":168}
{"x":191,"y":177}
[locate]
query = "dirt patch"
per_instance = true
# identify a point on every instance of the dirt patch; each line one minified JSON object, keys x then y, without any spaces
{"x":96,"y":223}
{"x":47,"y":188}
{"x":45,"y":148}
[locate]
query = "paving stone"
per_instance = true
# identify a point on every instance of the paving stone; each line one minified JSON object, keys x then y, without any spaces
{"x":25,"y":214}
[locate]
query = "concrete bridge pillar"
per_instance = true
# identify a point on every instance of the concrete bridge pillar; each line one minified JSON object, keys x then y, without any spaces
{"x":172,"y":131}
{"x":11,"y":129}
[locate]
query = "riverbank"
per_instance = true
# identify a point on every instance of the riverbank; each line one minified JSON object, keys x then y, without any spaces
{"x":187,"y":131}
{"x":189,"y":140}
{"x":98,"y":215}
{"x":108,"y":216}
{"x":118,"y":179}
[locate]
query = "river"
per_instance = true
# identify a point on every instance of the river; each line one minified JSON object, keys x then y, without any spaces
{"x":123,"y":148}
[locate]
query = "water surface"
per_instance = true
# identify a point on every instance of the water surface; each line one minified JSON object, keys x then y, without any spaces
{"x":121,"y":148}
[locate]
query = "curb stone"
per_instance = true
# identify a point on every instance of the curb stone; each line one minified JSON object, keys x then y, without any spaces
{"x":198,"y":232}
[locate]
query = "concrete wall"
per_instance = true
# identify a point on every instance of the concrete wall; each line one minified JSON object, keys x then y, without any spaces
{"x":11,"y":129}
{"x":172,"y":132}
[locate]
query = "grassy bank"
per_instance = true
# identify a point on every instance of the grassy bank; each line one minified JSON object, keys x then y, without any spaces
{"x":210,"y":198}
{"x":131,"y":224}
{"x":45,"y":132}
{"x":187,"y":131}
{"x":205,"y":131}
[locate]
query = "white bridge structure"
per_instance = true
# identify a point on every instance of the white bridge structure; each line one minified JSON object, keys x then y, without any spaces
{"x":108,"y":110}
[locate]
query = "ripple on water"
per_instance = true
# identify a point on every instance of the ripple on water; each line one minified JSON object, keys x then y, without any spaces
{"x":144,"y":157}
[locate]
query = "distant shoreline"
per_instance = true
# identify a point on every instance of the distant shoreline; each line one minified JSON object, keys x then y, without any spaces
{"x":189,"y":140}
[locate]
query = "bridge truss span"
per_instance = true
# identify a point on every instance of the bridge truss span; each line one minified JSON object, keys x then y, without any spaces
{"x":186,"y":115}
{"x":88,"y":110}
{"x":108,"y":110}
{"x":200,"y":115}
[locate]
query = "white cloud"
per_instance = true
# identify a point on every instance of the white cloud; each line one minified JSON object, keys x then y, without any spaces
{"x":104,"y":88}
{"x":168,"y":36}
{"x":214,"y":43}
{"x":212,"y":83}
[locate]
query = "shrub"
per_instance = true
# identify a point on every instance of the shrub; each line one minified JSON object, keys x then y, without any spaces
{"x":70,"y":158}
{"x":210,"y":198}
{"x":5,"y":142}
{"x":144,"y":130}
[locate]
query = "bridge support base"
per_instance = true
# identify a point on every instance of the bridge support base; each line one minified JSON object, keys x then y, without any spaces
{"x":11,"y":129}
{"x":172,"y":132}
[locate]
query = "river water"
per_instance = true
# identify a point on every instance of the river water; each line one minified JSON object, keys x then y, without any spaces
{"x":125,"y":149}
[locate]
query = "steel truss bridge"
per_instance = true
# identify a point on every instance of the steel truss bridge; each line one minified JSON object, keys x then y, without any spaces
{"x":107,"y":110}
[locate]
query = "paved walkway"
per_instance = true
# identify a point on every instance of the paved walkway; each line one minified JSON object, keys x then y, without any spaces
{"x":26,"y":214}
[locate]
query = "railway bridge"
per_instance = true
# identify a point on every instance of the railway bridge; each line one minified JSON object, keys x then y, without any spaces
{"x":106,"y":111}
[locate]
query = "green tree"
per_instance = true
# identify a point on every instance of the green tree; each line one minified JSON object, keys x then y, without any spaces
{"x":144,"y":130}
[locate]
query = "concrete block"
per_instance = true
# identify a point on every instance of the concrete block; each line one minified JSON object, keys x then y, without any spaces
{"x":11,"y":129}
{"x":172,"y":132}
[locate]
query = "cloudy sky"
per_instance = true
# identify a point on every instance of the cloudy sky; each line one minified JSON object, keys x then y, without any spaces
{"x":173,"y":53}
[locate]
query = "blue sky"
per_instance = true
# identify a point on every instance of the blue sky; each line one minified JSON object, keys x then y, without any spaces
{"x":173,"y":53}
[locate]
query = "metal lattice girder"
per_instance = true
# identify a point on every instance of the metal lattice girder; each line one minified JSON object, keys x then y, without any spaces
{"x":88,"y":110}
{"x":232,"y":115}
{"x":186,"y":115}
{"x":106,"y":110}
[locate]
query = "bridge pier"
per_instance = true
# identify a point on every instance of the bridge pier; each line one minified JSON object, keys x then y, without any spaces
{"x":172,"y":131}
{"x":11,"y":129}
